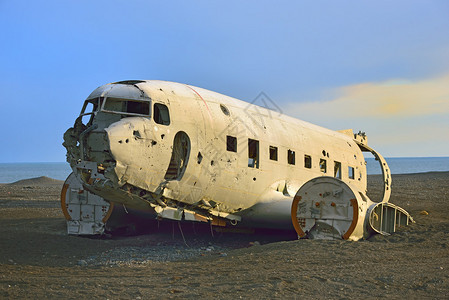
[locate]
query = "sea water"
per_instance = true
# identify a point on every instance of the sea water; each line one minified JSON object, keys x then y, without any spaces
{"x":408,"y":165}
{"x":12,"y":172}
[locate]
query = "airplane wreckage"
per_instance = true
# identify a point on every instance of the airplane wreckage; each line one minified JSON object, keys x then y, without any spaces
{"x":179,"y":152}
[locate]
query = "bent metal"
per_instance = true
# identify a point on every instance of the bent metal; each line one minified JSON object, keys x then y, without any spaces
{"x":179,"y":152}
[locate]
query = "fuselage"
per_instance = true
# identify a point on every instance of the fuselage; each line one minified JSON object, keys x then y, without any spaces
{"x":166,"y":147}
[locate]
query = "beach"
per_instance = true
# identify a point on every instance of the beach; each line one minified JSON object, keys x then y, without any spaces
{"x":170,"y":260}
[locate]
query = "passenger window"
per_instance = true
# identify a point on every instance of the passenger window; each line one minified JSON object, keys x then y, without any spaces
{"x":307,"y":161}
{"x":323,"y":167}
{"x":253,"y":153}
{"x":273,"y":153}
{"x":231,"y":143}
{"x":337,"y":170}
{"x":291,"y":157}
{"x":351,"y":173}
{"x":161,"y":114}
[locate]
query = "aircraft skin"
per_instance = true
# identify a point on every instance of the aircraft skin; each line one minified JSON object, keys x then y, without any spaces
{"x":186,"y":153}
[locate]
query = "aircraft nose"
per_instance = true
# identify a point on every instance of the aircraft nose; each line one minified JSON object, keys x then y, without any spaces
{"x":127,"y":138}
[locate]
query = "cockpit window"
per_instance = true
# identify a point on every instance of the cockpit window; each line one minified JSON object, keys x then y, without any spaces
{"x":161,"y":114}
{"x":91,"y":106}
{"x":121,"y":107}
{"x":127,"y":107}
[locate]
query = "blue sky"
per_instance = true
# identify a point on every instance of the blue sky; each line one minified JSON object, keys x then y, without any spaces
{"x":377,"y":66}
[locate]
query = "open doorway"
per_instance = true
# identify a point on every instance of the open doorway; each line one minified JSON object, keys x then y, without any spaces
{"x":179,"y":158}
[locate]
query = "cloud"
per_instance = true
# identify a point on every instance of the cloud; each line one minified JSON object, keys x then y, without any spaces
{"x":407,"y":118}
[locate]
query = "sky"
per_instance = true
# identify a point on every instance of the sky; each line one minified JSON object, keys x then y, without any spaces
{"x":381,"y":67}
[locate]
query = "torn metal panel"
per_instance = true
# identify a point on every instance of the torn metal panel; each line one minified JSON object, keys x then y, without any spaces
{"x":169,"y":213}
{"x":385,"y":218}
{"x":386,"y":173}
{"x":86,"y":213}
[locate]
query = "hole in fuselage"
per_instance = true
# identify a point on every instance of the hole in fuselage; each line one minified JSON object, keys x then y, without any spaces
{"x":224,"y":109}
{"x":375,"y":183}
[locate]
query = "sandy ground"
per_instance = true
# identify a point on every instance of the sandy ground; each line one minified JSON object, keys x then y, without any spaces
{"x":39,"y":260}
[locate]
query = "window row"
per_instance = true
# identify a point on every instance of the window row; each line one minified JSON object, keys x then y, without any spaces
{"x":253,"y":157}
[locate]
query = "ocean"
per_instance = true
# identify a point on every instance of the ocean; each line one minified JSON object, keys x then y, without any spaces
{"x":408,"y":165}
{"x":12,"y":172}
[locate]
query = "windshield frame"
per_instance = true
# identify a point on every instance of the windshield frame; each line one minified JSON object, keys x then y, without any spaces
{"x":103,"y":109}
{"x":100,"y":102}
{"x":96,"y":102}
